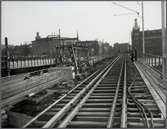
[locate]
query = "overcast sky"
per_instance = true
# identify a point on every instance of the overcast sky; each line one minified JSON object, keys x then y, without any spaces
{"x":93,"y":20}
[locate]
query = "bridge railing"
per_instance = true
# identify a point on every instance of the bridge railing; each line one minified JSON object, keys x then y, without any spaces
{"x":25,"y":62}
{"x":154,"y":61}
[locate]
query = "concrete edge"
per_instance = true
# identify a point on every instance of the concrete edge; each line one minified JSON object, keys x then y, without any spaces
{"x":159,"y":102}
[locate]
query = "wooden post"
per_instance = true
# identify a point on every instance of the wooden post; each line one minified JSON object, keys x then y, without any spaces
{"x":17,"y":62}
{"x":41,"y":60}
{"x":152,"y":62}
{"x":28,"y":63}
{"x":21,"y":60}
{"x":37,"y":60}
{"x":50,"y":60}
{"x":24,"y":58}
{"x":155,"y":60}
{"x":7,"y":65}
{"x":34,"y":61}
{"x":13,"y":59}
{"x":31,"y":60}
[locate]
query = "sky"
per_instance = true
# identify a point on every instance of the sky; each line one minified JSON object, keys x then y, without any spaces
{"x":103,"y":21}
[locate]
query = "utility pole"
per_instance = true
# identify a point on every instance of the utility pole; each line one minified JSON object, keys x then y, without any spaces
{"x":164,"y":45}
{"x":59,"y":49}
{"x":142,"y":6}
{"x":142,"y":9}
{"x":0,"y":68}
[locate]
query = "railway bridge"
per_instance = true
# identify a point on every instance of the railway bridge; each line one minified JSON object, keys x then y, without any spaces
{"x":117,"y":93}
{"x":62,"y":82}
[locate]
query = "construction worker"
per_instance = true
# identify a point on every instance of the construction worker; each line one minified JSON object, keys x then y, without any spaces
{"x":135,"y":54}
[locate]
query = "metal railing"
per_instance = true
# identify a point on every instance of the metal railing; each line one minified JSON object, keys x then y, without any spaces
{"x":154,"y":61}
{"x":27,"y":61}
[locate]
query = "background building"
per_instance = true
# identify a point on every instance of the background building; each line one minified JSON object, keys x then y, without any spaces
{"x":153,"y":42}
{"x":92,"y":45}
{"x":48,"y":45}
{"x":121,"y":47}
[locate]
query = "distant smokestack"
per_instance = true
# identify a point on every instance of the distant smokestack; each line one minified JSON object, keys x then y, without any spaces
{"x":77,"y":36}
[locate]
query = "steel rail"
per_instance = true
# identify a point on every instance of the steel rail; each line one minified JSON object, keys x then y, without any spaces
{"x":164,"y":80}
{"x":152,"y":68}
{"x":147,"y":113}
{"x":35,"y":118}
{"x":160,"y":90}
{"x":141,"y":106}
{"x":143,"y":109}
{"x":154,"y":93}
{"x":53,"y":121}
{"x":133,"y":98}
{"x":77,"y":108}
{"x":124,"y":105}
{"x":69,"y":104}
{"x":110,"y":120}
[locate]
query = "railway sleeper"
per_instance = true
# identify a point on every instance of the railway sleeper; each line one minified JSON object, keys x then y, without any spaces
{"x":91,"y":118}
{"x":86,"y":124}
{"x":93,"y":113}
{"x":101,"y":100}
{"x":152,"y":109}
{"x":141,"y":124}
{"x":95,"y":109}
{"x":138,"y":114}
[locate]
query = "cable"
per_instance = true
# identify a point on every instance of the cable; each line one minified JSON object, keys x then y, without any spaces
{"x":126,"y":8}
{"x":142,"y":109}
{"x":122,"y":14}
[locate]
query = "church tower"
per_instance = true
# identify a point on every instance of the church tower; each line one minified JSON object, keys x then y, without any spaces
{"x":37,"y":36}
{"x":136,"y":38}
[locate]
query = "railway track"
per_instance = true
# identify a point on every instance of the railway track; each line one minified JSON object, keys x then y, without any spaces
{"x":142,"y":110}
{"x":64,"y":104}
{"x":115,"y":97}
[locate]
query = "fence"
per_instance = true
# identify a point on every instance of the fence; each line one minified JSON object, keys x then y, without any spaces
{"x":153,"y":61}
{"x":25,"y":62}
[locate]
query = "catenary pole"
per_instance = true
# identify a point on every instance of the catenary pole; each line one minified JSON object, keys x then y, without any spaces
{"x":164,"y":45}
{"x":143,"y":36}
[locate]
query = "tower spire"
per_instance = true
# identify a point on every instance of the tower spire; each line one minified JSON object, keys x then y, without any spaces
{"x":136,"y":27}
{"x":37,"y":36}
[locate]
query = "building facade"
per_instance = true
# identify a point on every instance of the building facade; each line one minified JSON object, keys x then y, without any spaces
{"x":121,"y":47}
{"x":153,"y":41}
{"x":49,"y":44}
{"x":92,"y":45}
